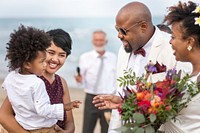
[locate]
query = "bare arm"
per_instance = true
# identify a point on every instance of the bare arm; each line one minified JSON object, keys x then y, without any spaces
{"x":7,"y":118}
{"x":69,"y":127}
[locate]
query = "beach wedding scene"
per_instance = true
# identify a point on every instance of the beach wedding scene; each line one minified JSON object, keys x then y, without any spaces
{"x":99,"y":66}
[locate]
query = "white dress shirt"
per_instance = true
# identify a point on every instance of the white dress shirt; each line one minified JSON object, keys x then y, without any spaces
{"x":137,"y":62}
{"x":188,"y":120}
{"x":30,"y":101}
{"x":89,"y":64}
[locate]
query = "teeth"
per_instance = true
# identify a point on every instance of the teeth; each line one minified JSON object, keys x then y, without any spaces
{"x":174,"y":51}
{"x":51,"y":65}
{"x":125,"y":43}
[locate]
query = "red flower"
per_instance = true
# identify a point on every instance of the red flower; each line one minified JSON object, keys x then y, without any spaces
{"x":160,"y":68}
{"x":144,"y":105}
{"x":167,"y":108}
{"x":119,"y":107}
{"x":163,"y":87}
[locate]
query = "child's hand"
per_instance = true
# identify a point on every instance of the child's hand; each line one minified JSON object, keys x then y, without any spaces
{"x":71,"y":105}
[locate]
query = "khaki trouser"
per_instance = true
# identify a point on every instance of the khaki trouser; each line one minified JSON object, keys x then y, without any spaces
{"x":44,"y":130}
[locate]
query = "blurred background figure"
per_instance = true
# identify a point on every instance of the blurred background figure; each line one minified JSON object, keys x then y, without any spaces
{"x":97,"y":74}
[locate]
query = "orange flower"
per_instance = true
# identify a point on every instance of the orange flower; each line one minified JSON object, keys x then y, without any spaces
{"x":148,"y":96}
{"x":155,"y":102}
{"x":152,"y":110}
{"x":140,"y":96}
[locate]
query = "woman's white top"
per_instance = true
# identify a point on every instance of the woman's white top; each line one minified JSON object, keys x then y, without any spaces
{"x":188,"y":120}
{"x":30,"y":101}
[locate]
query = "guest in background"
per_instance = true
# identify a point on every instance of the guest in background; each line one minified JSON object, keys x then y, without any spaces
{"x":97,"y":73}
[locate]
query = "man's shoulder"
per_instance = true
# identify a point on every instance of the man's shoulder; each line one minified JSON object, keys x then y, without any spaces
{"x":86,"y":54}
{"x":161,"y":35}
{"x":111,"y":53}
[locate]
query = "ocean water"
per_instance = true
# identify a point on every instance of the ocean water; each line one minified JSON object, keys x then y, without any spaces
{"x":80,"y":30}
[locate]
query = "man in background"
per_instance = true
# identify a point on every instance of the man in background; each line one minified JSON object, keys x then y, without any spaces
{"x":98,"y":75}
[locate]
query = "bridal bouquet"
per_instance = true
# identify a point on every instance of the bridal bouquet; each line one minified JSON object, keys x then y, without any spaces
{"x":148,"y":103}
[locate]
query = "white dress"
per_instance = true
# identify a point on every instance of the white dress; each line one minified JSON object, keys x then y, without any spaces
{"x":188,"y":120}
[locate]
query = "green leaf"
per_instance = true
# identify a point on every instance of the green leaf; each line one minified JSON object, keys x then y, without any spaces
{"x":121,"y":129}
{"x":132,"y":82}
{"x":120,"y":85}
{"x":129,"y":131}
{"x":139,"y":118}
{"x":149,"y":129}
{"x":124,"y":83}
{"x":133,"y":129}
{"x":139,"y":130}
{"x":152,"y":117}
{"x":119,"y":80}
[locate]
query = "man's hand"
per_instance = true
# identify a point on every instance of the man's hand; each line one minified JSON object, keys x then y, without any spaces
{"x":106,"y":101}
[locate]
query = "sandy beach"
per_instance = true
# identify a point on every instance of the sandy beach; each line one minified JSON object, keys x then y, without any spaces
{"x":76,"y":94}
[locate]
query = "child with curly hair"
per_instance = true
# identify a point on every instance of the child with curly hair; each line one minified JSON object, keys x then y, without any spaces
{"x":26,"y":52}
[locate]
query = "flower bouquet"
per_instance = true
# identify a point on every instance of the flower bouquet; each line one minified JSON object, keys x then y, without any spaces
{"x":147,"y":104}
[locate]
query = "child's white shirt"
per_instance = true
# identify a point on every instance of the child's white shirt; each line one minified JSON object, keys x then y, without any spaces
{"x":30,"y":101}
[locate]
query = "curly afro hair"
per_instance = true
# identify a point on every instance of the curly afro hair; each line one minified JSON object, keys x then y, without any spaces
{"x":183,"y":13}
{"x":24,"y":45}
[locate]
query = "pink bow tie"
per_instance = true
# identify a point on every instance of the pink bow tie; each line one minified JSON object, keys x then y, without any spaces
{"x":140,"y":51}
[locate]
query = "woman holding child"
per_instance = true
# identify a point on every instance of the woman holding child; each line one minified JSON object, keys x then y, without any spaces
{"x":56,"y":86}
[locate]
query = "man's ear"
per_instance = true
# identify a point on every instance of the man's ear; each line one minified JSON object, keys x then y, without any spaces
{"x":143,"y":26}
{"x":106,"y":41}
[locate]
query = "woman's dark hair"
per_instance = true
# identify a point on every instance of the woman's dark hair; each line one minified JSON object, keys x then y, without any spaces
{"x":61,"y":39}
{"x":183,"y":13}
{"x":24,"y":45}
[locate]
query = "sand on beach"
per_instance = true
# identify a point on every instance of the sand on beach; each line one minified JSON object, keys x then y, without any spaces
{"x":76,"y":94}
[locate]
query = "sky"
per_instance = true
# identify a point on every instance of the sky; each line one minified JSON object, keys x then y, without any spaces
{"x":75,"y":8}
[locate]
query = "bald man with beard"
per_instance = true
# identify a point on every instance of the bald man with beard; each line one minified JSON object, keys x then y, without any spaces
{"x":137,"y":32}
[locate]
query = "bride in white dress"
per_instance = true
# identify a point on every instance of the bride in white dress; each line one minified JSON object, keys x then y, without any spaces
{"x":185,"y":40}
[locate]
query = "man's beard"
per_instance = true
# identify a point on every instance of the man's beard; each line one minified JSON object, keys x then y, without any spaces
{"x":99,"y":49}
{"x":128,"y":49}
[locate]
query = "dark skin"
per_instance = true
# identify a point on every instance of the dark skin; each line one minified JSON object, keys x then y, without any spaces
{"x":135,"y":38}
{"x":140,"y":34}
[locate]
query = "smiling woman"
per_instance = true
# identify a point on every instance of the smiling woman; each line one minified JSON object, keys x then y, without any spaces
{"x":55,"y":86}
